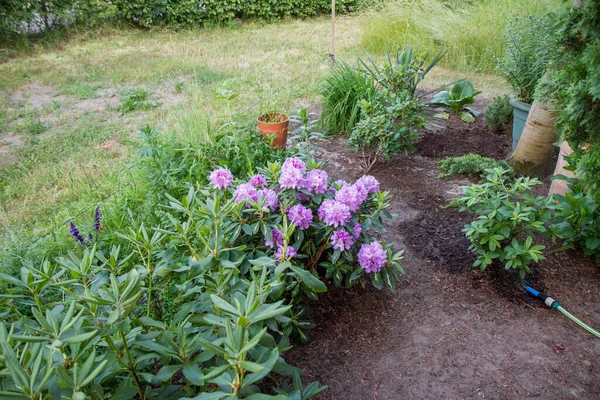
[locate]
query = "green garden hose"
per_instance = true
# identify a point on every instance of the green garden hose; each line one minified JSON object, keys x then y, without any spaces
{"x":555,"y":305}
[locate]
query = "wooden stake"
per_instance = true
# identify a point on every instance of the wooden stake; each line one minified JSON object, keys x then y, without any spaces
{"x":332,"y":51}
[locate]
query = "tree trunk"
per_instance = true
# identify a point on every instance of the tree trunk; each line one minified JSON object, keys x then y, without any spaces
{"x":533,"y":154}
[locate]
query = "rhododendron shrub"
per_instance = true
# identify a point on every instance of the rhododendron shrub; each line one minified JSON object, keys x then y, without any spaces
{"x":293,"y":221}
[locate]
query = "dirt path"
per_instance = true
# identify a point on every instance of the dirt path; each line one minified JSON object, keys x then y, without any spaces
{"x":450,"y":332}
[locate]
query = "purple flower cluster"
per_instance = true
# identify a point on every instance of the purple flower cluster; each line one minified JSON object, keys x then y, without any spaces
{"x":245,"y":192}
{"x":369,"y":183}
{"x":271,"y":199}
{"x":334,"y":213}
{"x":372,"y":257}
{"x":316,"y":181}
{"x":341,"y":240}
{"x":300,"y":216}
{"x":292,"y":174}
{"x":277,"y":239}
{"x":221,"y":178}
{"x":290,"y":252}
{"x":352,"y":196}
{"x":258,"y":181}
{"x":75,"y":233}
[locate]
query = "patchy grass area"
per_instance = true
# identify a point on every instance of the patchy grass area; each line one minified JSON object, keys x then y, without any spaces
{"x":67,"y":115}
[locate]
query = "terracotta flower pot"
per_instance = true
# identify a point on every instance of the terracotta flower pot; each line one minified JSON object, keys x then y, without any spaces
{"x":274,"y":124}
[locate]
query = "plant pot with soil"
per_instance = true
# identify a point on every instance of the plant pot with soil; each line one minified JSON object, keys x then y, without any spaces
{"x":520,"y":113}
{"x":274,"y":125}
{"x":273,"y":121}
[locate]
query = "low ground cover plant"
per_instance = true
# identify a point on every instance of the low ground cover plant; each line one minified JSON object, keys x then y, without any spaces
{"x":499,"y":115}
{"x":472,"y":165}
{"x":203,"y":304}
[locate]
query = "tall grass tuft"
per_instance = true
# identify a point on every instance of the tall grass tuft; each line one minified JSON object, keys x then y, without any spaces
{"x":469,"y":31}
{"x":342,"y":92}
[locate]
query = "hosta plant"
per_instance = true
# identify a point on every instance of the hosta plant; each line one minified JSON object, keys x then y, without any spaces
{"x":458,"y":99}
{"x":206,"y":303}
{"x":509,"y":217}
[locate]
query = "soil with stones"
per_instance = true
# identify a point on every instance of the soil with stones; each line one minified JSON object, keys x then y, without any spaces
{"x":450,"y":332}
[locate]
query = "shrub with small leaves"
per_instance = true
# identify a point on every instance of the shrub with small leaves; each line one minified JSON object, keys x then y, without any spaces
{"x":499,"y":115}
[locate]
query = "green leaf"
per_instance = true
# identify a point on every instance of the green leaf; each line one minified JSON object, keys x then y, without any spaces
{"x":166,"y":372}
{"x":223,"y":305}
{"x":263,"y":262}
{"x":309,"y":279}
{"x":81,"y":337}
{"x":467,"y":117}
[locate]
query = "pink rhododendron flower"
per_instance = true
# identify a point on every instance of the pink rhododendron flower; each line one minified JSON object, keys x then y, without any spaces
{"x":334,"y":213}
{"x":351,"y":196}
{"x":258,"y":181}
{"x":291,"y":179}
{"x":290,"y":252}
{"x":221,"y":178}
{"x":293,"y":163}
{"x":369,"y":183}
{"x":245,"y":192}
{"x":271,"y":199}
{"x":372,"y":257}
{"x":300,"y":216}
{"x":341,"y":240}
{"x":277,"y":239}
{"x":316,"y":181}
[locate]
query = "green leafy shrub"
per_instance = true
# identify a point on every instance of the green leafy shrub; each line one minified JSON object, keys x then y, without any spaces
{"x":205,"y":303}
{"x":342,"y":92}
{"x":499,"y":115}
{"x":530,"y":41}
{"x":18,"y":18}
{"x":388,"y":125}
{"x":509,"y":217}
{"x":576,"y":219}
{"x":472,"y":165}
{"x":573,"y":90}
{"x":458,"y":99}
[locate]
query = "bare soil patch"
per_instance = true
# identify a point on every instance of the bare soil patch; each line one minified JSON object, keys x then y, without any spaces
{"x":451,"y":331}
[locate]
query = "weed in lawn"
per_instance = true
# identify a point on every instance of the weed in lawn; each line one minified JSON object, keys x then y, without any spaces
{"x":33,"y":126}
{"x":135,"y":99}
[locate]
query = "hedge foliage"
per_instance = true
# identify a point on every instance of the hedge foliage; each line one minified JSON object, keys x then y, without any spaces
{"x":18,"y":17}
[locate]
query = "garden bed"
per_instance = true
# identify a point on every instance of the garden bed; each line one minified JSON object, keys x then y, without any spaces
{"x":450,"y":331}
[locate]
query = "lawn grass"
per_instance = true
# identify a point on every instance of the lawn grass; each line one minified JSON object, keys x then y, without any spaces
{"x":470,"y":32}
{"x":65,"y":104}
